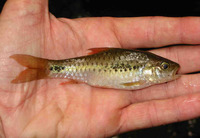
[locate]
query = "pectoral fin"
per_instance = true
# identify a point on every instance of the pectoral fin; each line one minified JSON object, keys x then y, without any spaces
{"x":137,"y":83}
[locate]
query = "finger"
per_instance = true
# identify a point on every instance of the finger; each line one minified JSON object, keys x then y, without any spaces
{"x":22,"y":26}
{"x":158,"y":112}
{"x":24,"y":9}
{"x":156,"y":31}
{"x":187,"y":84}
{"x":187,"y":56}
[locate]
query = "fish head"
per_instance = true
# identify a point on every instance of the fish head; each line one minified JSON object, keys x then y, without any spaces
{"x":161,"y":70}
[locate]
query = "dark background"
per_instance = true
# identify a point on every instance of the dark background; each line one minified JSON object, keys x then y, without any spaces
{"x":133,"y":8}
{"x":124,"y":8}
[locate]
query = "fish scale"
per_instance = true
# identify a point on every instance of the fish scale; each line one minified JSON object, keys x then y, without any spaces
{"x":109,"y":68}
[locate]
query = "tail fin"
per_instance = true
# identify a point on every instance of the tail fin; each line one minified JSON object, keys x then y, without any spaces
{"x":36,"y":68}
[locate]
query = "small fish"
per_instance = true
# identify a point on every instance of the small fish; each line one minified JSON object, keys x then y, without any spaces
{"x":104,"y":67}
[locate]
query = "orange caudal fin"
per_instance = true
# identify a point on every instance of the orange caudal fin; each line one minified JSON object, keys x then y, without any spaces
{"x":36,"y":68}
{"x":97,"y":50}
{"x":30,"y":75}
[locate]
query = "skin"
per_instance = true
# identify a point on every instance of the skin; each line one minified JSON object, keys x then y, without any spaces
{"x":47,"y":109}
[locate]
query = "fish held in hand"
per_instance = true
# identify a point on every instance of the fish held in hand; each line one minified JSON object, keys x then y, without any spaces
{"x":104,"y":67}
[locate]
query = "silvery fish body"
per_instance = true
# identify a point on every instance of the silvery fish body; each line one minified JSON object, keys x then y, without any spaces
{"x":115,"y":68}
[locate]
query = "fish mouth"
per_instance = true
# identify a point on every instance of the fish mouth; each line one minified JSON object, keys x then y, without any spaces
{"x":175,"y":72}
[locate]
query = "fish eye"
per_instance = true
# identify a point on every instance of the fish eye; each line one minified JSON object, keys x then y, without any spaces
{"x":164,"y":65}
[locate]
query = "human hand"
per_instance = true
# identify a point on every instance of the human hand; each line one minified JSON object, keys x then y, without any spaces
{"x":47,"y":109}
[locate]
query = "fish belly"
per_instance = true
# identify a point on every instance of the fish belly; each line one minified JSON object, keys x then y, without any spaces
{"x":117,"y":81}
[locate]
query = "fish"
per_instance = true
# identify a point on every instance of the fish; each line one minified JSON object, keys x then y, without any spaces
{"x":115,"y":68}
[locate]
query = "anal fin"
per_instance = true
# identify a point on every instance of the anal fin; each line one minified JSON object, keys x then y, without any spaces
{"x":69,"y":82}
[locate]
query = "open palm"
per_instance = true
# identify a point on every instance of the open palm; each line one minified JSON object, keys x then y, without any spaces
{"x":45,"y":108}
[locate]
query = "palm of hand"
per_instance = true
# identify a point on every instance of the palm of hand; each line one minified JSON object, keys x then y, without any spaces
{"x":45,"y":108}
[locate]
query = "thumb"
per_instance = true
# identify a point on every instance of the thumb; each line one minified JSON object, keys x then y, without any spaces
{"x":24,"y":8}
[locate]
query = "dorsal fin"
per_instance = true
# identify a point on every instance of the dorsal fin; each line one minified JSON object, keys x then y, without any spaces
{"x":97,"y":50}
